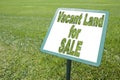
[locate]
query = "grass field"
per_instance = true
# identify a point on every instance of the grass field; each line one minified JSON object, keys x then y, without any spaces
{"x":23,"y":25}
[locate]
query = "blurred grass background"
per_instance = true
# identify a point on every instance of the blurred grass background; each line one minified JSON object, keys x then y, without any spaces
{"x":23,"y":25}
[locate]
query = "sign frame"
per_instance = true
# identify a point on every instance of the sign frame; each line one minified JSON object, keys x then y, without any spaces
{"x":101,"y":47}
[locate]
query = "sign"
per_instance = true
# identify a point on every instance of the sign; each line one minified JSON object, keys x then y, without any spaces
{"x":77,"y":34}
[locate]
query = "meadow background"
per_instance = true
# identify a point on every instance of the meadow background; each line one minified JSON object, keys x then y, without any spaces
{"x":23,"y":26}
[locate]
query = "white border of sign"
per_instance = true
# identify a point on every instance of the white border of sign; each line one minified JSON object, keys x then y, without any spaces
{"x":101,"y":48}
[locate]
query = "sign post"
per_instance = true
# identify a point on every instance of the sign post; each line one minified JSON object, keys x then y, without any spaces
{"x":68,"y":69}
{"x":77,"y":34}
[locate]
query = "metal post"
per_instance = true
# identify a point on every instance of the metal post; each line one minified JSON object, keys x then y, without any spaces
{"x":68,"y":70}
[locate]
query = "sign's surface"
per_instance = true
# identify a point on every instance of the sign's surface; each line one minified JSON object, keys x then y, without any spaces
{"x":77,"y":35}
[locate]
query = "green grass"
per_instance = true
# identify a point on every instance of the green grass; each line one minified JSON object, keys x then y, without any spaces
{"x":23,"y":25}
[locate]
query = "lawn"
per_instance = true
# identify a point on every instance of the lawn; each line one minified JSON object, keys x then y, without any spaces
{"x":23,"y":26}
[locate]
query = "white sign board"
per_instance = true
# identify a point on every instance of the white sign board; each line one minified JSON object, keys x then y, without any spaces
{"x":77,"y":34}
